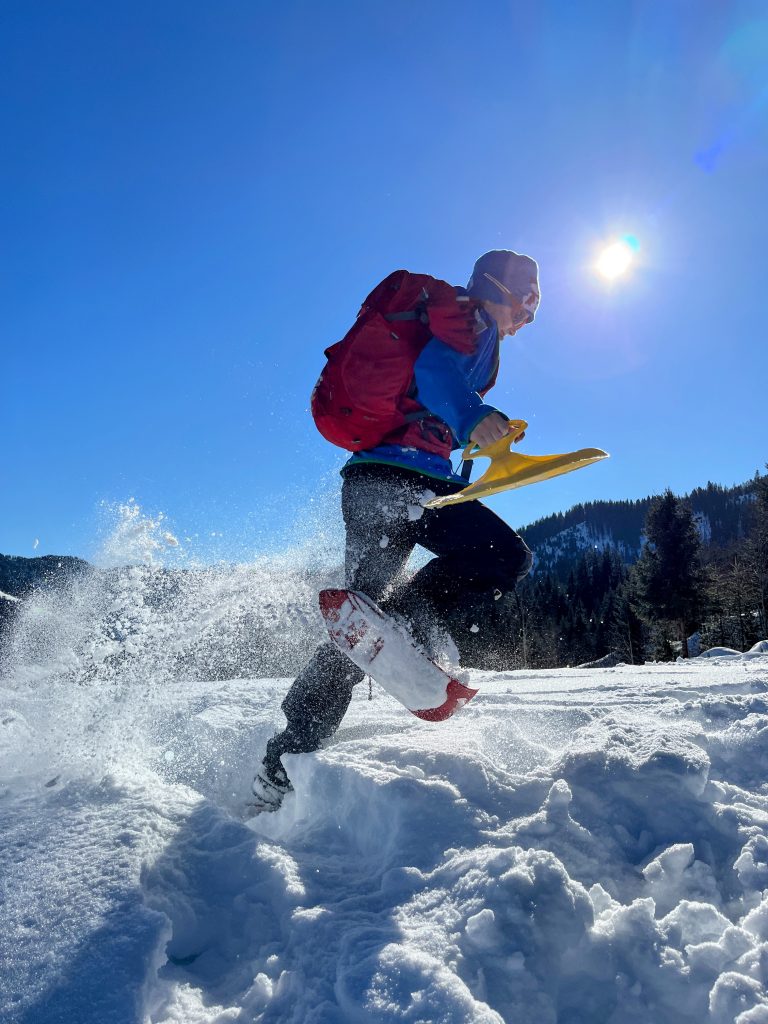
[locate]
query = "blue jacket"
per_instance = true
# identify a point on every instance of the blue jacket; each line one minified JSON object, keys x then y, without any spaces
{"x":447,"y":383}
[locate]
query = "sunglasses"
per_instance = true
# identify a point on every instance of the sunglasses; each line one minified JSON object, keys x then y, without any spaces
{"x":525,"y":316}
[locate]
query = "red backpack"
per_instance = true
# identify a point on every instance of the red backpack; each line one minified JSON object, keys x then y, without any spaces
{"x":359,"y":397}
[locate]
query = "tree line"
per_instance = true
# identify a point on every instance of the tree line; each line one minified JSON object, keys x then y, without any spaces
{"x":691,"y":579}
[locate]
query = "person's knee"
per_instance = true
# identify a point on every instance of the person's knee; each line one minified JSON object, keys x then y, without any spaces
{"x":525,"y":562}
{"x":509,"y":565}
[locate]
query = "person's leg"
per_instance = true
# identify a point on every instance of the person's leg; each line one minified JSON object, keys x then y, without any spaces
{"x":378,"y":507}
{"x":313,"y":707}
{"x":479,"y":558}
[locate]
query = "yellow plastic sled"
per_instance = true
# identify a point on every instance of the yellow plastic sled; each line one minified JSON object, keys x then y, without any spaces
{"x":510,"y":469}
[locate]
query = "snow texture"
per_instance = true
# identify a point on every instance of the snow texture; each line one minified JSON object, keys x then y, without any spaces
{"x":585,"y":846}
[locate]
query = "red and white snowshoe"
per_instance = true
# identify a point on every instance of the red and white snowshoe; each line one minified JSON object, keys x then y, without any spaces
{"x":386,"y":650}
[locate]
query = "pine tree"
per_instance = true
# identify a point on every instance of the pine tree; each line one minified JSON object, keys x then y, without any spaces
{"x":626,"y":630}
{"x":756,"y":552}
{"x":670,"y":581}
{"x":738,"y":596}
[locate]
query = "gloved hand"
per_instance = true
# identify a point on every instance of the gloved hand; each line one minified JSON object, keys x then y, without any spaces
{"x":452,"y":320}
{"x":492,"y":428}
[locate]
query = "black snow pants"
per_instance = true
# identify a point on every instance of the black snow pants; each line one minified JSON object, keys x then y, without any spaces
{"x":477,"y":555}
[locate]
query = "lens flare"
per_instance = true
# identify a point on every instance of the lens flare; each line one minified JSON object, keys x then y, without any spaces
{"x":615,"y":259}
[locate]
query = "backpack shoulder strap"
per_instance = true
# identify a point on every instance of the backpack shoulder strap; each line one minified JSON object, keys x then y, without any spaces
{"x":403,"y":295}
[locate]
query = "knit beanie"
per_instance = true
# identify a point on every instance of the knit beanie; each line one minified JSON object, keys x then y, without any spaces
{"x":508,"y":278}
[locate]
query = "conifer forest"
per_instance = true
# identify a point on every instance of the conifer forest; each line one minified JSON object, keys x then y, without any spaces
{"x":656,"y":579}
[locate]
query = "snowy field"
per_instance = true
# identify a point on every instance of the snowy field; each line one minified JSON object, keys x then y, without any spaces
{"x":575,"y":846}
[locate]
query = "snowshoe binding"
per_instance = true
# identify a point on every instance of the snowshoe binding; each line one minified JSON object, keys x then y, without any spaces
{"x":269,"y":791}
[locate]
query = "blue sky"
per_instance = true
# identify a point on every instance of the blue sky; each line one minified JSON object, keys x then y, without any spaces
{"x":196,"y":197}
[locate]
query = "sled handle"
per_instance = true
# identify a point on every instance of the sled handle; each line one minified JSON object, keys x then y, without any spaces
{"x":517,"y":427}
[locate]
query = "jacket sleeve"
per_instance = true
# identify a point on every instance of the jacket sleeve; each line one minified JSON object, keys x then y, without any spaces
{"x":441,"y":386}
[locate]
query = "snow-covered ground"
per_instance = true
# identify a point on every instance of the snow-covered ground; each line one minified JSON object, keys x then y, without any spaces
{"x":574,"y":846}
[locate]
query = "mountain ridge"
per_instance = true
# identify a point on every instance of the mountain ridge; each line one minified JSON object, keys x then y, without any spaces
{"x":560,"y":539}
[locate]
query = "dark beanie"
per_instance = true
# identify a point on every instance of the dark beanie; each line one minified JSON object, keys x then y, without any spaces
{"x":508,"y":278}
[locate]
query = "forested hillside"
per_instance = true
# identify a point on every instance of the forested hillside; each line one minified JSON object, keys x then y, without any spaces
{"x":722,"y":514}
{"x":632,"y":581}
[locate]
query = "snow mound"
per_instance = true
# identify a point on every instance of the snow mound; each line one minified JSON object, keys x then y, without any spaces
{"x":757,"y":651}
{"x":574,"y":846}
{"x":609,"y":660}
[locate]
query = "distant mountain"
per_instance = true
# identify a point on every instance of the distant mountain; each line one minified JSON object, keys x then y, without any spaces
{"x":217,"y":622}
{"x":559,"y":540}
{"x":20,"y":576}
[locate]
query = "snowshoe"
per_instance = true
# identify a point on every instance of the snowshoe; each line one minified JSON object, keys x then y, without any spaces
{"x":383,"y":648}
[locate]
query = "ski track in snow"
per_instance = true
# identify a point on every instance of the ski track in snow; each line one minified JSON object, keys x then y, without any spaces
{"x":574,"y":846}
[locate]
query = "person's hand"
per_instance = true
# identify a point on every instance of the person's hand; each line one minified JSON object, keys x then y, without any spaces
{"x":492,"y":428}
{"x":453,"y":321}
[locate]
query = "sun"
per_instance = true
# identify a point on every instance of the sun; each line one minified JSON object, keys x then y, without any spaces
{"x":617,"y":258}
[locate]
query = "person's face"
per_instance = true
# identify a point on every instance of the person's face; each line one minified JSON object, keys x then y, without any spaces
{"x":509,"y":320}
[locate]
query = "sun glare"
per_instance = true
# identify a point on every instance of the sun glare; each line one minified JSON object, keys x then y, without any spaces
{"x":615,"y":259}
